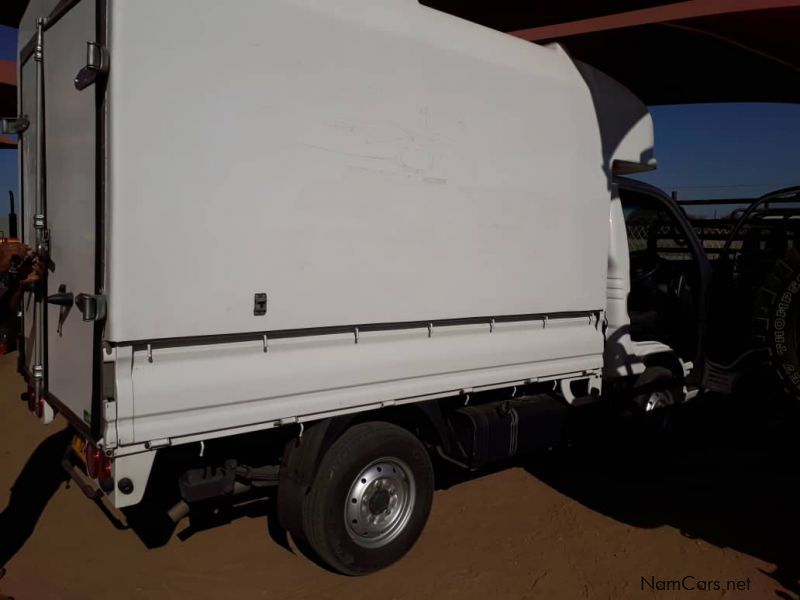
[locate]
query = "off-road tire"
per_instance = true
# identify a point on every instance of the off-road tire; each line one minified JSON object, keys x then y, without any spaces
{"x":775,"y":322}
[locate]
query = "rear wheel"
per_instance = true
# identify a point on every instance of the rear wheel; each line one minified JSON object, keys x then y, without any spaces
{"x":370,"y":498}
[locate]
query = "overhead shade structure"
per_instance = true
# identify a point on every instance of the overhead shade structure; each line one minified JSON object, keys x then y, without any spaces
{"x":665,"y":52}
{"x":11,"y":12}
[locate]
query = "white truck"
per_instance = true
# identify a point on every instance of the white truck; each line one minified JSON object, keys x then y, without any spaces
{"x":317,"y":247}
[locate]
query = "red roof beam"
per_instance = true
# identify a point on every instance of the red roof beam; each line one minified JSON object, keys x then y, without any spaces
{"x":646,"y":16}
{"x":8,"y":72}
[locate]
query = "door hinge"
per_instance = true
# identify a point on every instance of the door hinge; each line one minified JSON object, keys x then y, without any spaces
{"x":14,"y":125}
{"x":92,"y":307}
{"x":97,"y":64}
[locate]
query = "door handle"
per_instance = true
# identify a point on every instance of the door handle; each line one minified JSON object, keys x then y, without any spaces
{"x":64,"y":299}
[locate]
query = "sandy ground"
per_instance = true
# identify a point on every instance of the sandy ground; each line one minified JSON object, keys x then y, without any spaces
{"x":720,"y":504}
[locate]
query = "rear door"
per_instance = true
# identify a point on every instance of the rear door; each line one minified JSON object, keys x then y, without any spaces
{"x":64,"y":343}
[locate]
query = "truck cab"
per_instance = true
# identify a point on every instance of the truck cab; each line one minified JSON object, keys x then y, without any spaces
{"x":658,"y":272}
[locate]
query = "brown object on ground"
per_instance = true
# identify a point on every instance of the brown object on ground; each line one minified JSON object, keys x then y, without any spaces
{"x":8,"y":250}
{"x":578,"y":527}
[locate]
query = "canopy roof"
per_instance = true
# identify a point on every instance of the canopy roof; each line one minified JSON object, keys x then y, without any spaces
{"x":666,"y":52}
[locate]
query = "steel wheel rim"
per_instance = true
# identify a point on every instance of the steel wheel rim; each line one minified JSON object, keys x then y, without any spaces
{"x":659,"y":399}
{"x":380,"y":502}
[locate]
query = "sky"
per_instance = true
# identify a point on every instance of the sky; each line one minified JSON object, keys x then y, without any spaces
{"x":703,"y":151}
{"x":8,"y":158}
{"x":709,"y":151}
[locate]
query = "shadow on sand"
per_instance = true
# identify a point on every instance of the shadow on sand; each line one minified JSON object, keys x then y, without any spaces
{"x":40,"y":478}
{"x":726,"y":473}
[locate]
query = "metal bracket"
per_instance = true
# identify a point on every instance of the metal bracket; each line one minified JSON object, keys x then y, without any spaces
{"x":14,"y":125}
{"x":259,"y":304}
{"x":97,"y":65}
{"x":155,"y":444}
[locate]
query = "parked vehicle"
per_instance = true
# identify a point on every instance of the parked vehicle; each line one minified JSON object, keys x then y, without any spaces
{"x":752,"y":329}
{"x":313,"y":246}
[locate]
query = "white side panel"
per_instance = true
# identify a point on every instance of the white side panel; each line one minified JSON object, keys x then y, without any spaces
{"x":191,"y":390}
{"x":620,"y":358}
{"x":360,"y":161}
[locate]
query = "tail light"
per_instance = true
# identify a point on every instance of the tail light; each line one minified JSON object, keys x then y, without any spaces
{"x":3,"y":349}
{"x":40,"y":406}
{"x":31,"y":398}
{"x":35,"y":405}
{"x":98,"y":465}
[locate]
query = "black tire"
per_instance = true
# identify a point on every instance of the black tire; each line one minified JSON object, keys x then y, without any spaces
{"x":777,"y":310}
{"x":669,"y":394}
{"x":325,"y":526}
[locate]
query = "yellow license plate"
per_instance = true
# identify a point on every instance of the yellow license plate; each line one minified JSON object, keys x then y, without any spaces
{"x":79,"y":446}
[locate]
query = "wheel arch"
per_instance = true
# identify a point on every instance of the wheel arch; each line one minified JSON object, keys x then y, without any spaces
{"x":303,"y":454}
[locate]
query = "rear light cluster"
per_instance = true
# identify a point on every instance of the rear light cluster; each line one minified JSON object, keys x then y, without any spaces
{"x":98,"y":465}
{"x":34,"y":405}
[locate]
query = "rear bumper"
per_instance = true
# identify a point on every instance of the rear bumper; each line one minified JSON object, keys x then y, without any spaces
{"x":92,"y":490}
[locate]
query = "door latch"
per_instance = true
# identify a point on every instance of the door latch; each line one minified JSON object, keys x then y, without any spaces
{"x":92,"y":306}
{"x":97,"y":64}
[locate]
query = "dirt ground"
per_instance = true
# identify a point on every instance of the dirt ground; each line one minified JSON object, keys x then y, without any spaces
{"x":720,"y":503}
